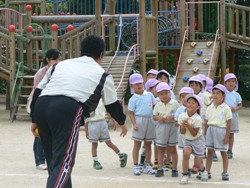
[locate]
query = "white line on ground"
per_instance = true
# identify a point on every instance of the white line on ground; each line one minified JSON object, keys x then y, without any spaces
{"x":118,"y":178}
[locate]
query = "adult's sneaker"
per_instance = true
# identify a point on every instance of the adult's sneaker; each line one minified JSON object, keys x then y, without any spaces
{"x":184,"y":180}
{"x":42,"y":167}
{"x":97,"y":165}
{"x":123,"y":160}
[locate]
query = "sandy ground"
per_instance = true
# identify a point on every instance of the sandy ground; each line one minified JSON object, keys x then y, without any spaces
{"x":17,"y":168}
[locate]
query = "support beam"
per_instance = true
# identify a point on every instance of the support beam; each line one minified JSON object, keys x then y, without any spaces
{"x":223,"y":38}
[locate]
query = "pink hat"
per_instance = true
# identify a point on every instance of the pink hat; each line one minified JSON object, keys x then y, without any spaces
{"x":166,"y":73}
{"x":196,"y":78}
{"x":162,"y":86}
{"x":230,"y":76}
{"x":209,"y":85}
{"x":196,"y":97}
{"x":187,"y":90}
{"x":135,"y":78}
{"x":221,"y":87}
{"x":202,"y":76}
{"x":151,"y":83}
{"x":152,"y":71}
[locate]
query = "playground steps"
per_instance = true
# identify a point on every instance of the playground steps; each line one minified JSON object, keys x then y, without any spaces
{"x":116,"y":70}
{"x":187,"y":69}
{"x":25,"y":85}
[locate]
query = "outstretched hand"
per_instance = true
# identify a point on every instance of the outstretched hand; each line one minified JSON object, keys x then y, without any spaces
{"x":33,"y":129}
{"x":124,"y":130}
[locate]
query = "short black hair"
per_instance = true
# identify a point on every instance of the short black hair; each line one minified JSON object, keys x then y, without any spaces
{"x":92,"y":46}
{"x":51,"y":54}
{"x":161,"y":74}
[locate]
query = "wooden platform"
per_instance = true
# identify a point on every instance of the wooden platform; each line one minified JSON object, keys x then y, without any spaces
{"x":189,"y":52}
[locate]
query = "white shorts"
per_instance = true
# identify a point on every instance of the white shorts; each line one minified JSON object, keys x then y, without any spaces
{"x":235,"y":123}
{"x":166,"y":134}
{"x":214,"y":138}
{"x":146,"y":129}
{"x":197,"y":146}
{"x":98,"y":131}
{"x":180,"y":141}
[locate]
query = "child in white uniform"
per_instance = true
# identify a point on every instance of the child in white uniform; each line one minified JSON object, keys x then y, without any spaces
{"x":140,"y":108}
{"x":233,"y":99}
{"x":166,"y":131}
{"x":193,"y":140}
{"x":96,"y":129}
{"x":217,"y":128}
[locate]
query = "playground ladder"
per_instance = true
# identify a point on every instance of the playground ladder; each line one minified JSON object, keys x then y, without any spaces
{"x":25,"y":85}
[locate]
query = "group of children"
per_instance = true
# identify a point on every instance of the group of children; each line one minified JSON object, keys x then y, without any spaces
{"x":205,"y":122}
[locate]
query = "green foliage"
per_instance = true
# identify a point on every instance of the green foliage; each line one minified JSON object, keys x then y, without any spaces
{"x":2,"y":86}
{"x":244,"y":81}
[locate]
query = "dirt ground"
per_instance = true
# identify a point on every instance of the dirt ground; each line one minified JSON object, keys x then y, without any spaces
{"x":17,"y":167}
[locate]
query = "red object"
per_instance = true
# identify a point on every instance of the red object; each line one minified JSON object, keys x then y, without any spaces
{"x":34,"y":14}
{"x":29,"y":29}
{"x":28,"y":8}
{"x":12,"y":28}
{"x":54,"y":27}
{"x":70,"y":27}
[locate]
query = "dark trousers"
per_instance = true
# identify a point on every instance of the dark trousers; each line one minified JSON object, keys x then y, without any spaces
{"x":38,"y":151}
{"x":58,"y":119}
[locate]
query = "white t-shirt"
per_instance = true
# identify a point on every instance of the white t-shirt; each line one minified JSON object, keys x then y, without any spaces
{"x":66,"y":80}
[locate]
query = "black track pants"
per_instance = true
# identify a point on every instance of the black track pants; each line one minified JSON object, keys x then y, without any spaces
{"x":58,"y":119}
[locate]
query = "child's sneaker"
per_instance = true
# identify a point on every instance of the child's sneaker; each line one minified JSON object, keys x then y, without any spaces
{"x":184,"y":179}
{"x":148,"y":169}
{"x":215,"y":158}
{"x":209,"y":176}
{"x":159,"y":173}
{"x":229,"y":154}
{"x":137,"y":171}
{"x":204,"y":175}
{"x":155,"y":165}
{"x":225,"y":176}
{"x":97,"y":165}
{"x":175,"y":173}
{"x":169,"y":164}
{"x":123,"y":160}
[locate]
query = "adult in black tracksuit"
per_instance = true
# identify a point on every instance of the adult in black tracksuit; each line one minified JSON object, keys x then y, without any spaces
{"x":67,"y":95}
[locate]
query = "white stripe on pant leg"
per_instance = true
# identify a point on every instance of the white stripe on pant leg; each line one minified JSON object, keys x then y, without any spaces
{"x":70,"y":149}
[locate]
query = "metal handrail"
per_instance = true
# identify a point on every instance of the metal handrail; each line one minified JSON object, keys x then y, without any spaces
{"x":182,"y":47}
{"x":212,"y":55}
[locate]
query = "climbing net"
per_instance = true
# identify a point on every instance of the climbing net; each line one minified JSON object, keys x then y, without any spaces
{"x":166,"y":30}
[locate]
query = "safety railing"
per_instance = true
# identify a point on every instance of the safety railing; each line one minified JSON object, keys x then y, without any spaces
{"x":238,"y":19}
{"x":185,"y":37}
{"x":11,"y":17}
{"x":212,"y":55}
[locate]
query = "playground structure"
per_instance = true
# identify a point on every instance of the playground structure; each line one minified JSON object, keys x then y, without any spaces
{"x":151,"y":29}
